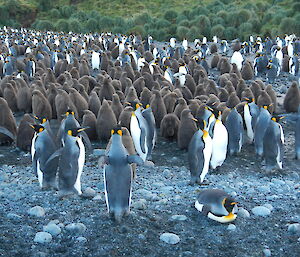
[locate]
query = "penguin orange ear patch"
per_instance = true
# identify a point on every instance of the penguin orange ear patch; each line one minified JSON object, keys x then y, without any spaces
{"x":120,"y":132}
{"x":70,"y":132}
{"x":112,"y":132}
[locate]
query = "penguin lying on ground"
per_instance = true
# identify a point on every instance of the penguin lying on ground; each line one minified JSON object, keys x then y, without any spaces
{"x":217,"y":205}
{"x":118,"y":175}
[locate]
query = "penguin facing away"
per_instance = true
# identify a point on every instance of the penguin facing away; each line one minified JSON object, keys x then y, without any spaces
{"x":42,"y":148}
{"x":273,"y":142}
{"x":117,"y":174}
{"x":297,"y":135}
{"x":217,"y":205}
{"x":199,"y":154}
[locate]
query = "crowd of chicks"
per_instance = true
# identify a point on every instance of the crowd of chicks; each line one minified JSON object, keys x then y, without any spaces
{"x":123,"y":89}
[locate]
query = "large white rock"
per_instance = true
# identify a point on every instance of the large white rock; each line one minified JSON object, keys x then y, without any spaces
{"x":261,"y":211}
{"x":169,"y":238}
{"x":42,"y":237}
{"x":36,"y":211}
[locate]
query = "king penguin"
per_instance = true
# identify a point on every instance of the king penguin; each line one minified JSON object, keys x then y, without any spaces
{"x":234,"y":126}
{"x":251,"y":112}
{"x":273,"y":142}
{"x":217,"y":205}
{"x":118,"y":176}
{"x":139,"y":131}
{"x":199,"y":153}
{"x":42,"y":147}
{"x":152,"y":134}
{"x":219,"y":141}
{"x":297,"y":135}
{"x":71,"y":161}
{"x":261,"y":126}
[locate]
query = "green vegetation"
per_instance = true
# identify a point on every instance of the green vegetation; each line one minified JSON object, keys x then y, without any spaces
{"x":160,"y":18}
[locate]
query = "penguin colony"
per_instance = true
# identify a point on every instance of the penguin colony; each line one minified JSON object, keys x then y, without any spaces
{"x":125,"y":90}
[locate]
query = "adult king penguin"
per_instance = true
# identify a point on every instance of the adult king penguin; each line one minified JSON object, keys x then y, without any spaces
{"x":217,"y":205}
{"x":118,"y":176}
{"x":199,"y":153}
{"x":251,"y":112}
{"x":42,"y":147}
{"x":151,"y":136}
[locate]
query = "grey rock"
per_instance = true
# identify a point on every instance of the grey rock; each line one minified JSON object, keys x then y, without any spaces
{"x":53,"y":222}
{"x":269,"y":206}
{"x":140,"y":204}
{"x":243,"y":213}
{"x":169,"y":238}
{"x":233,"y":194}
{"x":178,"y":218}
{"x":145,"y":193}
{"x":36,"y":211}
{"x":97,"y":198}
{"x":261,"y":211}
{"x":158,"y":184}
{"x":98,"y":152}
{"x":81,"y":239}
{"x":89,"y":193}
{"x":277,"y":181}
{"x":53,"y":229}
{"x":272,"y":197}
{"x":294,"y":228}
{"x":264,"y":189}
{"x":231,"y":227}
{"x":13,"y":216}
{"x":76,"y":228}
{"x":267,"y":252}
{"x":141,"y":237}
{"x":166,"y":189}
{"x":42,"y":237}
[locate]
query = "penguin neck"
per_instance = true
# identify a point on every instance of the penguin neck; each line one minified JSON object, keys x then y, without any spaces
{"x":116,"y":142}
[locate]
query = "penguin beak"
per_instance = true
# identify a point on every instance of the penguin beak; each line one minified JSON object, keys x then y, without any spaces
{"x":194,"y":119}
{"x":82,"y":129}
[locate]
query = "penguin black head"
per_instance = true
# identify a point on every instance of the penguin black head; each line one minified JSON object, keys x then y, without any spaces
{"x":41,"y":120}
{"x":37,"y":128}
{"x":277,"y":118}
{"x":117,"y":130}
{"x":75,"y":131}
{"x":134,"y":104}
{"x":249,"y":100}
{"x":229,"y":203}
{"x":70,"y":112}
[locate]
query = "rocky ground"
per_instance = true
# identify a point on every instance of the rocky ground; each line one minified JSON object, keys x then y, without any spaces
{"x":162,"y":203}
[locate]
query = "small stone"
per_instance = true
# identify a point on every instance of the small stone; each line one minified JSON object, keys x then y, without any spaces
{"x":40,"y":254}
{"x":53,"y":229}
{"x":53,"y":222}
{"x":98,"y":152}
{"x":81,"y":239}
{"x":169,"y":238}
{"x":145,"y":193}
{"x":76,"y":228}
{"x":141,"y":237}
{"x":166,"y":189}
{"x":158,"y":184}
{"x":140,"y":204}
{"x":13,"y":216}
{"x":294,"y":228}
{"x":37,"y":211}
{"x":231,"y":227}
{"x":89,"y":193}
{"x":261,"y":211}
{"x":243,"y":213}
{"x":269,"y":206}
{"x":233,"y":194}
{"x":178,"y":218}
{"x":15,"y":174}
{"x":97,"y":197}
{"x":271,"y":197}
{"x":267,"y":252}
{"x":42,"y":237}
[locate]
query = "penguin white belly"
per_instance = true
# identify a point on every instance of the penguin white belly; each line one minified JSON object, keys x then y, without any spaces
{"x":39,"y":174}
{"x":248,"y":121}
{"x":95,"y":62}
{"x":279,"y":162}
{"x":182,"y":80}
{"x":168,"y":77}
{"x":207,"y":151}
{"x":68,"y":58}
{"x":105,"y":190}
{"x":223,"y":219}
{"x":33,"y":68}
{"x":33,"y":146}
{"x":281,"y":134}
{"x":81,"y":160}
{"x":219,"y":142}
{"x":136,"y":135}
{"x":199,"y":206}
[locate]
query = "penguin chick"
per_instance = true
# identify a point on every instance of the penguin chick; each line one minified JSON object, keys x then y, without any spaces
{"x":292,"y":98}
{"x":25,"y":133}
{"x":169,"y":126}
{"x":217,"y":205}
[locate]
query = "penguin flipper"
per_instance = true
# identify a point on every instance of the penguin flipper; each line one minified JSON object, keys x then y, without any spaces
{"x":86,"y":140}
{"x":6,"y":132}
{"x":143,"y":139}
{"x":135,"y":159}
{"x":56,"y":154}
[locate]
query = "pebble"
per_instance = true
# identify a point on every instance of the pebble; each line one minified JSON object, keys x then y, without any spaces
{"x":13,"y":216}
{"x":231,"y":227}
{"x":271,"y":197}
{"x":261,"y":211}
{"x":178,"y":218}
{"x":140,"y":204}
{"x":169,"y":238}
{"x":267,"y":252}
{"x":53,"y":222}
{"x":166,"y":189}
{"x":141,"y":237}
{"x":233,"y":194}
{"x":53,"y":229}
{"x":76,"y":228}
{"x":277,"y":181}
{"x":81,"y":239}
{"x":294,"y":228}
{"x":97,"y":197}
{"x":145,"y":193}
{"x":42,"y":237}
{"x":158,"y":184}
{"x":243,"y":213}
{"x":37,"y":211}
{"x":98,"y":152}
{"x":89,"y":193}
{"x":269,"y":206}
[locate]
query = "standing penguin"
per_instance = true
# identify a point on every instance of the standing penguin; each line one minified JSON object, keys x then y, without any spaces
{"x":151,"y":136}
{"x":42,"y":147}
{"x":261,"y":126}
{"x":72,"y":157}
{"x":199,"y":153}
{"x":238,"y":59}
{"x":234,"y":126}
{"x":216,"y":204}
{"x":220,"y":142}
{"x":251,"y":112}
{"x":297,"y":135}
{"x":273,"y":144}
{"x":139,"y":131}
{"x":118,"y":176}
{"x":273,"y":71}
